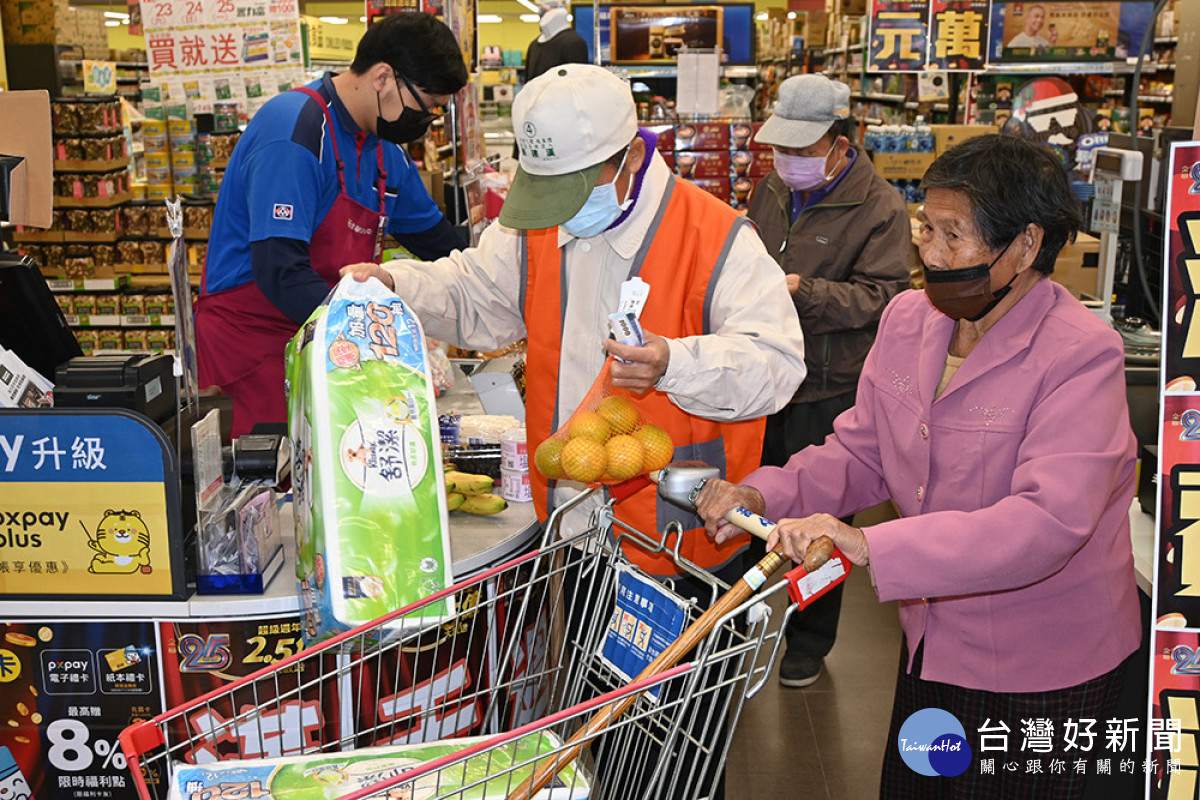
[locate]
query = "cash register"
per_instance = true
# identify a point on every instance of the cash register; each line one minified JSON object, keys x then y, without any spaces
{"x":142,"y":382}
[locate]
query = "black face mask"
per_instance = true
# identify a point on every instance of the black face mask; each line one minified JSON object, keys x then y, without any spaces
{"x":965,"y":293}
{"x":410,"y":126}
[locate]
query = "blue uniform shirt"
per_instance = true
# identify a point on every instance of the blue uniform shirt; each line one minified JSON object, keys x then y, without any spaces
{"x":282,"y":180}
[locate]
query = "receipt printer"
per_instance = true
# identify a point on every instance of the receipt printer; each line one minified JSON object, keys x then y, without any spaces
{"x":143,"y":383}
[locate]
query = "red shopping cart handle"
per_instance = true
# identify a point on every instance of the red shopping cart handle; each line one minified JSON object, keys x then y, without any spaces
{"x":629,"y":488}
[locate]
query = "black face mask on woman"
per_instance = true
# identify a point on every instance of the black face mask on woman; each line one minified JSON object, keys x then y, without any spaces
{"x":965,"y":293}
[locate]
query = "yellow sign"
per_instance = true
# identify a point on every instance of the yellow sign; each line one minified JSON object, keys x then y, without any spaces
{"x":328,"y":42}
{"x":99,"y":77}
{"x":101,"y":539}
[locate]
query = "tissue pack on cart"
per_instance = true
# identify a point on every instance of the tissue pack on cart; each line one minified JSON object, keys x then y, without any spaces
{"x":370,"y":508}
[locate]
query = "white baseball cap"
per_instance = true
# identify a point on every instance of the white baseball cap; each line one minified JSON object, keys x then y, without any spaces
{"x":806,"y":108}
{"x":568,"y":122}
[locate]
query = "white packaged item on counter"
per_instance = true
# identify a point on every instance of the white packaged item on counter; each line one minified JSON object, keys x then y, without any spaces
{"x":514,"y":450}
{"x":515,"y":486}
{"x":485,"y":428}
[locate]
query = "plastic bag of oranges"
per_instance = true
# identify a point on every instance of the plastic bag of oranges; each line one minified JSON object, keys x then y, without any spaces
{"x":606,"y":440}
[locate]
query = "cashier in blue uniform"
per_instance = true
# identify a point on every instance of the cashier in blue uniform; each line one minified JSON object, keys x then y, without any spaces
{"x":297,"y":204}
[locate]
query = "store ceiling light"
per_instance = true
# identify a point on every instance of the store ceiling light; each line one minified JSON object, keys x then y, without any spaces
{"x":528,"y":4}
{"x":791,"y":15}
{"x":760,"y":16}
{"x":528,"y":18}
{"x":117,"y":15}
{"x":335,"y":20}
{"x":111,"y":23}
{"x":362,"y":19}
{"x":485,"y":18}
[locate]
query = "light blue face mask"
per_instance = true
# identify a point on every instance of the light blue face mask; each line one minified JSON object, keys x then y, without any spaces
{"x":600,"y":210}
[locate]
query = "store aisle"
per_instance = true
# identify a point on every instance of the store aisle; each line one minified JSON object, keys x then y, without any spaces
{"x":826,"y":741}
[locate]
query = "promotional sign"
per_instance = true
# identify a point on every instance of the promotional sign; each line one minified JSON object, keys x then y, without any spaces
{"x":382,"y":8}
{"x":1068,"y":30}
{"x":240,"y":50}
{"x":67,"y":689}
{"x":643,"y":34}
{"x":1175,"y":678}
{"x":200,"y":657}
{"x":99,"y":77}
{"x":958,"y":35}
{"x":898,"y":35}
{"x":967,"y":35}
{"x":90,"y":507}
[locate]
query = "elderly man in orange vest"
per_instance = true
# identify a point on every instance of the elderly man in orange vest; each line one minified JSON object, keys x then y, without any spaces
{"x":592,"y":206}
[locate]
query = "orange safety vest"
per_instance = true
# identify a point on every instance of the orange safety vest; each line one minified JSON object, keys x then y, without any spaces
{"x":688,"y":244}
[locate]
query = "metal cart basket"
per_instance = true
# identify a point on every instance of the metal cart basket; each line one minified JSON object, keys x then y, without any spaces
{"x":525,"y":661}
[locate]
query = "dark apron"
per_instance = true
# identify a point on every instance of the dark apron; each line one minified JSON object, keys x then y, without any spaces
{"x":241,"y":335}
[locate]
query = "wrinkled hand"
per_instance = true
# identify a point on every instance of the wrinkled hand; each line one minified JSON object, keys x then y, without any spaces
{"x":646,"y":364}
{"x":367,"y":270}
{"x":793,"y":536}
{"x":720,"y":497}
{"x":793,"y":283}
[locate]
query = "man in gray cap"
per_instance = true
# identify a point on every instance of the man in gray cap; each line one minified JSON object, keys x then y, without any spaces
{"x":842,"y":236}
{"x":593,"y":217}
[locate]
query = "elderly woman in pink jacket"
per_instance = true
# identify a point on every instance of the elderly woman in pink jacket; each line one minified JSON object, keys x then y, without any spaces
{"x":992,"y":411}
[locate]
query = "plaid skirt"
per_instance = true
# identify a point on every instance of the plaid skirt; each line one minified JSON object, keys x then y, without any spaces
{"x":1033,"y":760}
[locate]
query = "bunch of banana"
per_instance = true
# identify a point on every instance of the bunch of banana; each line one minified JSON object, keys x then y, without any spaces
{"x":472,"y":494}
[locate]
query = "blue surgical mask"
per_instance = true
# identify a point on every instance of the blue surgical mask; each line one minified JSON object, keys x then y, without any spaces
{"x":600,"y":210}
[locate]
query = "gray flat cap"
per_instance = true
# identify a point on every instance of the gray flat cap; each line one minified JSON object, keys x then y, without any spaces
{"x":805,"y":110}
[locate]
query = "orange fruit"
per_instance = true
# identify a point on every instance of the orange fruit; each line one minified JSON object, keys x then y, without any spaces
{"x":583,"y":459}
{"x":621,"y":413}
{"x":548,"y":458}
{"x":589,"y":425}
{"x":659,"y":449}
{"x":625,"y":456}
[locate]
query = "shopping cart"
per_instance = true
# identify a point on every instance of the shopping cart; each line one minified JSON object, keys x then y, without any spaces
{"x":469,"y":705}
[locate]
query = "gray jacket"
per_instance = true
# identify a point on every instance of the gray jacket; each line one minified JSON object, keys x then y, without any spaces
{"x":852,"y":250}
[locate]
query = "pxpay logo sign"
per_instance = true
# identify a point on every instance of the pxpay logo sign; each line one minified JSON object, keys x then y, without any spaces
{"x":933,"y":742}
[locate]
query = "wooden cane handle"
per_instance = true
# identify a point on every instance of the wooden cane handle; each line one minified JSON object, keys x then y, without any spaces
{"x":819,"y":550}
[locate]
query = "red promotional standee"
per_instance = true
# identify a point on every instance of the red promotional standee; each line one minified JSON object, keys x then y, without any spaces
{"x":1175,"y":674}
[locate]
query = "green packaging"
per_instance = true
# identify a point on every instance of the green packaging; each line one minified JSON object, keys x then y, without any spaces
{"x":370,"y":506}
{"x":328,"y":776}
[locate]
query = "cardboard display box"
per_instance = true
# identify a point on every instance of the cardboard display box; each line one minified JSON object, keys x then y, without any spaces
{"x":946,"y":136}
{"x":1078,"y":267}
{"x":898,"y":166}
{"x":816,"y":27}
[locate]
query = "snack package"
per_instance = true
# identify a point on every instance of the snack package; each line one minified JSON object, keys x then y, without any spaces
{"x":607,"y":440}
{"x":371,"y":517}
{"x":326,"y":776}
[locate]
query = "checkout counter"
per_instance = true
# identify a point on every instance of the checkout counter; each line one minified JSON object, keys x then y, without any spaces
{"x":74,"y":673}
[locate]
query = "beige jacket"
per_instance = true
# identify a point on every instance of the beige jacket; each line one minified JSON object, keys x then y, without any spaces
{"x":748,"y":368}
